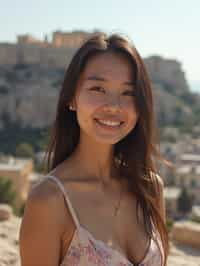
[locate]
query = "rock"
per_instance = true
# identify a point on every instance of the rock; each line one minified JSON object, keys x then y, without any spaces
{"x":9,"y":248}
{"x":186,"y":232}
{"x":5,"y":212}
{"x":167,"y":72}
{"x":182,"y":255}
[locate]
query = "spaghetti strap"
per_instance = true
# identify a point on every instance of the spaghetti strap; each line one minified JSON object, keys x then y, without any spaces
{"x":66,"y":196}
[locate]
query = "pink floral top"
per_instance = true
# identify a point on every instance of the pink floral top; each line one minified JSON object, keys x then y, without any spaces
{"x":85,"y":250}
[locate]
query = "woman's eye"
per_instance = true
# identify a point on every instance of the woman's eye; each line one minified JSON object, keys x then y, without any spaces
{"x":97,"y":88}
{"x":129,"y":93}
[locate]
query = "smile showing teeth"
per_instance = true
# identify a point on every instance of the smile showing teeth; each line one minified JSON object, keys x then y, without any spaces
{"x":109,"y":123}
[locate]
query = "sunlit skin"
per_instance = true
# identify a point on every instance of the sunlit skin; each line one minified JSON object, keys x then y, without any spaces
{"x":105,"y":90}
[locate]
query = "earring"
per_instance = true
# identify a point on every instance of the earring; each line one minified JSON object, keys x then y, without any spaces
{"x":71,"y":107}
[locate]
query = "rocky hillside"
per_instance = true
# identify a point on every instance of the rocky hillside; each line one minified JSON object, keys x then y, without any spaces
{"x":29,"y":93}
{"x":175,"y":103}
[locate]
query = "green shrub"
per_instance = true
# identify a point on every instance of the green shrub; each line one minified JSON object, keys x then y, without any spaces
{"x":195,"y":219}
{"x":24,"y":150}
{"x":185,"y":201}
{"x":19,"y":211}
{"x":169,"y":223}
{"x":7,"y":193}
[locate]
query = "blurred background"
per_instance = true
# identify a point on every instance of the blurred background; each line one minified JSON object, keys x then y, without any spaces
{"x":37,"y":42}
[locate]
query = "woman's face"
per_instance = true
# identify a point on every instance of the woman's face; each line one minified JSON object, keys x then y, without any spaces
{"x":104,"y":100}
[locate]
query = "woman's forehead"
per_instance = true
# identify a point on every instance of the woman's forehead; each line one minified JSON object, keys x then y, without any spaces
{"x":107,"y":66}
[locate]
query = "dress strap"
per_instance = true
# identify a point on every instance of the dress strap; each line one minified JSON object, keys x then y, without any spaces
{"x":66,"y":196}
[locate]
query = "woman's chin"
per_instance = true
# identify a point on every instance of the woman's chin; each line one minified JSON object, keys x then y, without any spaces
{"x":107,"y":140}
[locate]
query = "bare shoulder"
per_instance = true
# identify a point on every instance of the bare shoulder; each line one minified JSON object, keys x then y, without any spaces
{"x":45,"y":197}
{"x":43,"y":190}
{"x":42,"y":225}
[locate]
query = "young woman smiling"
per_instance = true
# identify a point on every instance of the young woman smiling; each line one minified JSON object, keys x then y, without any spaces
{"x":101,"y":202}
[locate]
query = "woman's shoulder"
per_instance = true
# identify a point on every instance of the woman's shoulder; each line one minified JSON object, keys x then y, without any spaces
{"x":46,"y":205}
{"x":44,"y":198}
{"x":43,"y":192}
{"x":47,"y":194}
{"x":42,"y":225}
{"x":45,"y":189}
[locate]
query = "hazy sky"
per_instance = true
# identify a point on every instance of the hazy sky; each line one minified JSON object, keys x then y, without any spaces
{"x":168,"y":28}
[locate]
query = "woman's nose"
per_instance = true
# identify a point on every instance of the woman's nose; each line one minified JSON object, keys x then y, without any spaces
{"x":113,"y":103}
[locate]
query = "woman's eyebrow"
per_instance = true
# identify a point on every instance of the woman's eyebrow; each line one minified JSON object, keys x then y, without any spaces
{"x":97,"y":78}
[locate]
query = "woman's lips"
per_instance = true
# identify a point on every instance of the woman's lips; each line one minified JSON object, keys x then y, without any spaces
{"x":107,"y":126}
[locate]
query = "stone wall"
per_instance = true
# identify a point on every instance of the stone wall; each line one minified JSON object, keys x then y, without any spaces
{"x":29,"y":50}
{"x":34,"y":54}
{"x":186,"y":232}
{"x":68,"y":39}
{"x":56,"y":57}
{"x":8,"y":54}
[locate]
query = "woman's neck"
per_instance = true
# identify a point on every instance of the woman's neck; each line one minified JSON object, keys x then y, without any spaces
{"x":93,"y":159}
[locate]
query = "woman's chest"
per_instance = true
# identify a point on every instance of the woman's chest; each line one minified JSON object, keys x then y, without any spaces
{"x":121,"y":232}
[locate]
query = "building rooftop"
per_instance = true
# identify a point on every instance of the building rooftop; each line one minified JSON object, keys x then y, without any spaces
{"x":12,"y":164}
{"x":190,"y":157}
{"x":196,"y":210}
{"x":171,"y":192}
{"x":188,"y":169}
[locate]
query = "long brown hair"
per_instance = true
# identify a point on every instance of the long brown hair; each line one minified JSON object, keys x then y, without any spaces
{"x":136,"y":154}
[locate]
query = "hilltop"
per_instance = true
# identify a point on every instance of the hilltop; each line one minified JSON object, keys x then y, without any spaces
{"x":29,"y":92}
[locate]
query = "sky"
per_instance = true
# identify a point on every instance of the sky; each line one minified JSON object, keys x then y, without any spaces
{"x":167,"y":28}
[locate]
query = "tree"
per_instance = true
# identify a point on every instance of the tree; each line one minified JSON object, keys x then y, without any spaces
{"x":7,"y":193}
{"x":24,"y":150}
{"x":185,"y":201}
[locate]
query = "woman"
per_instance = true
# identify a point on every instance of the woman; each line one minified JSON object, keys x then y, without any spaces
{"x":102,"y":203}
